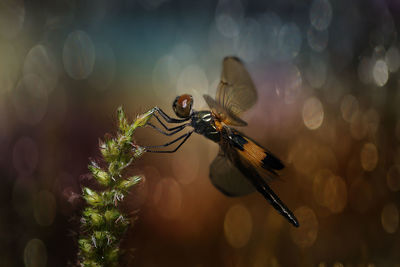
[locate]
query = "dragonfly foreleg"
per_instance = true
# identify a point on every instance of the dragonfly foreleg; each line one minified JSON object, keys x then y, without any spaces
{"x":173,"y":130}
{"x":164,"y":126}
{"x":168,"y":118}
{"x":184,"y":137}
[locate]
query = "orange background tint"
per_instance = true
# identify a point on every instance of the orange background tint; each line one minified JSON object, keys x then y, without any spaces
{"x":328,"y":85}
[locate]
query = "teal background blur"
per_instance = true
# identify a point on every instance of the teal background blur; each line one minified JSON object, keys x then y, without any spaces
{"x":328,"y":83}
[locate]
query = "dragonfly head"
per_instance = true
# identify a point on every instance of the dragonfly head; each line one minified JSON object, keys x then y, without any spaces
{"x":183,"y":106}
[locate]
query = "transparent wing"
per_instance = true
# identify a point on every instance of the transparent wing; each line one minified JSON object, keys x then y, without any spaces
{"x":228,"y":179}
{"x":223,"y":114}
{"x":236,"y":91}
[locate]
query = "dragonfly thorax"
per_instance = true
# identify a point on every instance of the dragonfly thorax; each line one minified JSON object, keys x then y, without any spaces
{"x":203,"y":123}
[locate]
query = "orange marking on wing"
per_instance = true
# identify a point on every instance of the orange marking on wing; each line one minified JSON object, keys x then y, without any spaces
{"x":227,"y":121}
{"x":218,"y":125}
{"x":223,"y":118}
{"x":252,"y":153}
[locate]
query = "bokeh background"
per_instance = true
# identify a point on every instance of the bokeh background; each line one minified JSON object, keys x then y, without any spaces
{"x":327,"y":74}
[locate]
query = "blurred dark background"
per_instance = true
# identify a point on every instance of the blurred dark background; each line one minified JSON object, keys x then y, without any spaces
{"x":327,"y":74}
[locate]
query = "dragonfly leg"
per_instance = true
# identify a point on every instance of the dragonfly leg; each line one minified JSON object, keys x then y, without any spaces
{"x":164,"y":126}
{"x":184,"y":137}
{"x":168,"y":118}
{"x":173,"y":130}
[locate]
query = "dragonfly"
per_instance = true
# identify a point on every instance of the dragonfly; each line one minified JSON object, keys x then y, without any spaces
{"x":242,"y":166}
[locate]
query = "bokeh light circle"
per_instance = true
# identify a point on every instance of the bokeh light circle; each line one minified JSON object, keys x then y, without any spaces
{"x":390,"y":218}
{"x":78,"y":55}
{"x":313,"y":113}
{"x":393,"y":178}
{"x":330,"y":191}
{"x":321,"y":14}
{"x":227,"y":25}
{"x":319,"y":185}
{"x":229,"y":14}
{"x":392,"y":58}
{"x":289,"y":41}
{"x":335,"y":194}
{"x":291,"y":84}
{"x":219,"y":44}
{"x":307,"y":233}
{"x":380,"y":73}
{"x":165,"y":75}
{"x":45,"y":208}
{"x":317,"y":71}
{"x":372,"y":120}
{"x":168,"y":198}
{"x":248,"y":45}
{"x":30,"y":99}
{"x":349,"y":107}
{"x":238,"y":226}
{"x":184,"y":53}
{"x":270,"y":27}
{"x":9,"y":67}
{"x":41,"y":62}
{"x":35,"y":254}
{"x":186,"y":167}
{"x":369,"y":156}
{"x":193,"y":80}
{"x":192,"y":77}
{"x":308,"y":155}
{"x":317,"y":40}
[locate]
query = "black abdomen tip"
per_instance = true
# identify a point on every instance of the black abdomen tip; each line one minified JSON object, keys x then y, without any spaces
{"x":272,"y":162}
{"x":294,"y":222}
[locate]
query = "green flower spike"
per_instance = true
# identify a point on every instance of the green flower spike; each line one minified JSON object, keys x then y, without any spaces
{"x":102,"y":223}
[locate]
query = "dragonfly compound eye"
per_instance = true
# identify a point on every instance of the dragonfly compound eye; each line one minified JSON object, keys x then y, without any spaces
{"x":183,"y":105}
